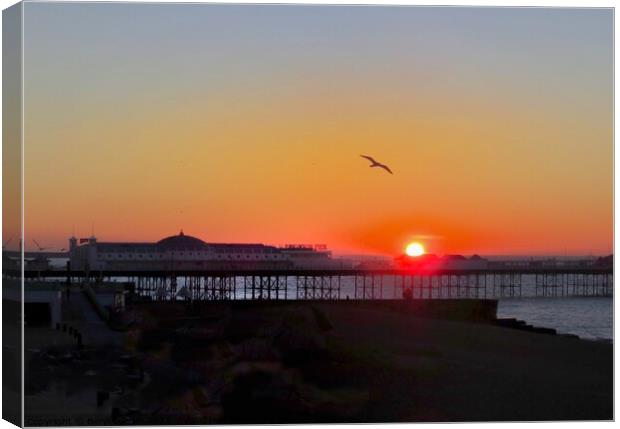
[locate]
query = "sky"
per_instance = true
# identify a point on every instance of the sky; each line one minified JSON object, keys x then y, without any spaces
{"x":242,"y":123}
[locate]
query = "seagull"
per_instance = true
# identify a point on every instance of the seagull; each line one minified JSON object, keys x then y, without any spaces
{"x":377,"y":164}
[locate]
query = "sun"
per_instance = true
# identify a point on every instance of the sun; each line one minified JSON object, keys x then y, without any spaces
{"x":414,"y":249}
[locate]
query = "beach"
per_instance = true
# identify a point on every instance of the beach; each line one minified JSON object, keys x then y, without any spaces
{"x":462,"y":371}
{"x":321,"y":362}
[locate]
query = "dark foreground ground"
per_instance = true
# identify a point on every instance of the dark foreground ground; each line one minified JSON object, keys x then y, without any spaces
{"x":316,"y":362}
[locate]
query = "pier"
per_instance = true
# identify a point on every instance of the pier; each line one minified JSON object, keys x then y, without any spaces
{"x":334,"y":284}
{"x":574,"y":284}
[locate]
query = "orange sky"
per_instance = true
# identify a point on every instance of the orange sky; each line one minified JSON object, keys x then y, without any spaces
{"x":488,"y":158}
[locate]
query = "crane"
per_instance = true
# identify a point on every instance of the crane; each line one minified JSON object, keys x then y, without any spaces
{"x":41,"y":249}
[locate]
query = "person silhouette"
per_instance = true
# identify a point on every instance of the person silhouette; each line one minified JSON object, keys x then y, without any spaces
{"x":407,"y":293}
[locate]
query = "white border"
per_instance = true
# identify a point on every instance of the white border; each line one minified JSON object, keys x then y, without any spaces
{"x":480,"y":3}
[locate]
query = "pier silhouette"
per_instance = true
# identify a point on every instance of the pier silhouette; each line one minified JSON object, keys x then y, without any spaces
{"x":331,"y":284}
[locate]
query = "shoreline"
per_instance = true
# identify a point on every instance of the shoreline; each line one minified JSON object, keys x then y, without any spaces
{"x":590,"y":318}
{"x":513,"y":323}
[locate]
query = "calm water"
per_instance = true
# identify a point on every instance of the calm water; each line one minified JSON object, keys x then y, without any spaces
{"x":590,"y":318}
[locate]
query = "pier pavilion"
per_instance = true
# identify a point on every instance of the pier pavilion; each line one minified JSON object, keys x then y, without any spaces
{"x":184,"y":252}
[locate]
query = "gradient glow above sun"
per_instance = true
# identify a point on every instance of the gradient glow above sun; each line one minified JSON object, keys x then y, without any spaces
{"x":414,"y":249}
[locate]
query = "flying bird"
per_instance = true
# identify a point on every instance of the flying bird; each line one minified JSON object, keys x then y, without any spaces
{"x":377,"y":164}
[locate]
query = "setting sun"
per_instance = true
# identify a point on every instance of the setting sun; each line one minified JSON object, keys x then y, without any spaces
{"x":414,"y":249}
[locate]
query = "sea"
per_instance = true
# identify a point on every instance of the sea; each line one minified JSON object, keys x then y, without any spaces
{"x":589,"y":318}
